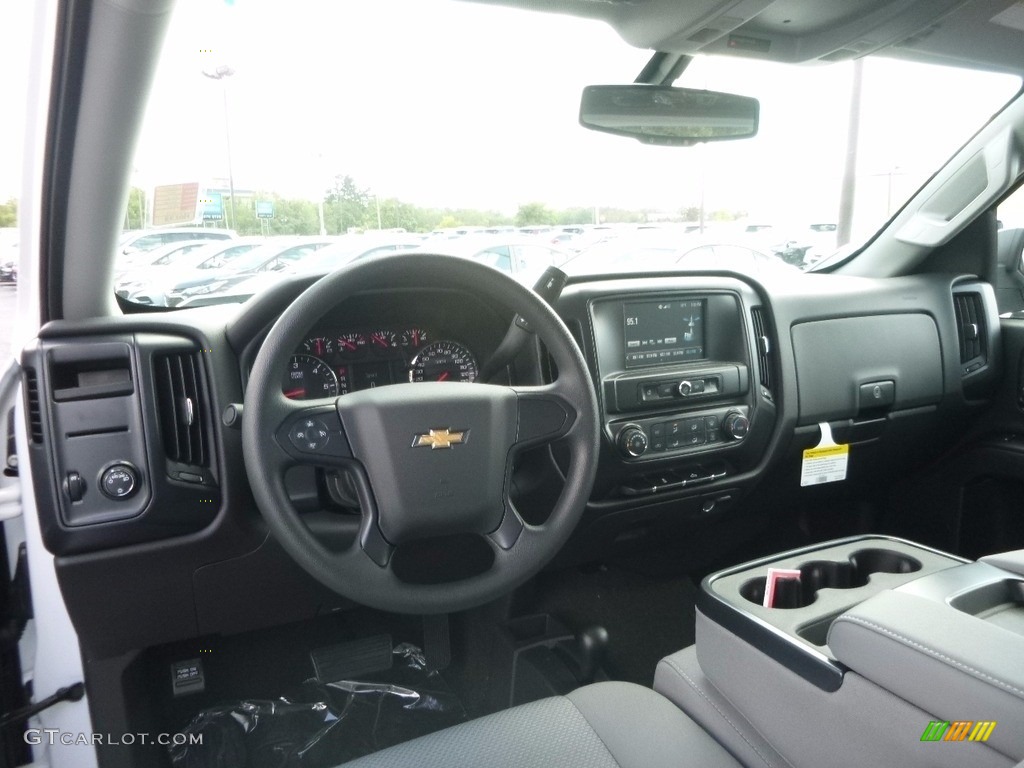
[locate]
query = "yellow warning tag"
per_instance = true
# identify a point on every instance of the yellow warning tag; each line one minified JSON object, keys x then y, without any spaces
{"x":825,"y":463}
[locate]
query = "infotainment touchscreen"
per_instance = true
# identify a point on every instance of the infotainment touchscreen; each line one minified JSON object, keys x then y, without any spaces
{"x":666,"y":331}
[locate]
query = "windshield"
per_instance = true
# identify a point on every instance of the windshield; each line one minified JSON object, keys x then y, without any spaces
{"x":314,"y":140}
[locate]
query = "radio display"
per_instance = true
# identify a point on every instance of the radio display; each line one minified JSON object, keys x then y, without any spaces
{"x":662,"y":332}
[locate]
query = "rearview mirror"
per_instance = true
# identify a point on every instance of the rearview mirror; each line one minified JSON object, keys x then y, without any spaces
{"x":661,"y":114}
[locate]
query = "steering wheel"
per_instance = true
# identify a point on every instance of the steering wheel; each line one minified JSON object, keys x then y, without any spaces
{"x":427,"y":460}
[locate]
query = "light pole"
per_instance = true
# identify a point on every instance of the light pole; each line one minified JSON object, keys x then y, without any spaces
{"x":220,"y":73}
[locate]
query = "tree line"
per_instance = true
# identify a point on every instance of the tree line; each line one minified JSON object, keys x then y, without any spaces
{"x":347,"y":206}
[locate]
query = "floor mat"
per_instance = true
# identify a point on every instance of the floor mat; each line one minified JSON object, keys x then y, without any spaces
{"x":319,"y":724}
{"x":647,"y":617}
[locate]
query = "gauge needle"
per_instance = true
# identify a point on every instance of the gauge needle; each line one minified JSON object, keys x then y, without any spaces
{"x":293,"y":393}
{"x":443,"y":376}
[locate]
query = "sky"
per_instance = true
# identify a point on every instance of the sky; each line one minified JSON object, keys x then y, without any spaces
{"x":450,"y":104}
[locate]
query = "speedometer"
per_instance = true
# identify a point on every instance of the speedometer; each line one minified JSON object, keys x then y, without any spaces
{"x":307,"y":378}
{"x":443,"y":361}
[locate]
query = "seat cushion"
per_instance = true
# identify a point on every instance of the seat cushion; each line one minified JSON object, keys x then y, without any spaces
{"x":606,"y":725}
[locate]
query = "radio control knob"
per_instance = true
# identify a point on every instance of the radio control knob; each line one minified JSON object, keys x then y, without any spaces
{"x":632,"y":441}
{"x":735,"y":425}
{"x":685,"y":387}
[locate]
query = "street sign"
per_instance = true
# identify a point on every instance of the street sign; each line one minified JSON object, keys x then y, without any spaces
{"x":265,"y":210}
{"x":213,"y":207}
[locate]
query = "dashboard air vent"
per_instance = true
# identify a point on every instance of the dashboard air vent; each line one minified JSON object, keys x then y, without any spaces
{"x":969,"y":326}
{"x":764,"y":349}
{"x":183,"y":409}
{"x":35,"y":416}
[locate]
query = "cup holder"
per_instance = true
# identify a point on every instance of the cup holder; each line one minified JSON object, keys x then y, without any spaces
{"x":830,"y":574}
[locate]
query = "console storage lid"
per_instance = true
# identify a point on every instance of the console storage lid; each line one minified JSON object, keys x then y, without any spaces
{"x":952,"y":662}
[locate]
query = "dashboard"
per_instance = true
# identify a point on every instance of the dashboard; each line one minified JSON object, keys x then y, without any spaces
{"x":709,"y":389}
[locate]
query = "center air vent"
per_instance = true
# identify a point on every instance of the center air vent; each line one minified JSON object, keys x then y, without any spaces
{"x":181,"y":400}
{"x":970,"y":327}
{"x":764,"y":349}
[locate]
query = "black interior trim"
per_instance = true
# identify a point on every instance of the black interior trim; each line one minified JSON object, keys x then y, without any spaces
{"x":71,"y":44}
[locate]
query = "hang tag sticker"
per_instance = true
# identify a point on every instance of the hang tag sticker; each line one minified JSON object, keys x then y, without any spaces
{"x":825,"y":463}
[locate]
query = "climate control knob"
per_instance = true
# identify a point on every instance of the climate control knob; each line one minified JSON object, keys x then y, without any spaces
{"x":632,"y":441}
{"x":736,"y":425}
{"x":685,"y":388}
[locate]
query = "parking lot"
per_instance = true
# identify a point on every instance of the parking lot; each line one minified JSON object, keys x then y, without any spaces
{"x":8,"y":307}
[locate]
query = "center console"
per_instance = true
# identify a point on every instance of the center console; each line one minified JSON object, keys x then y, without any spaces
{"x":878,"y":645}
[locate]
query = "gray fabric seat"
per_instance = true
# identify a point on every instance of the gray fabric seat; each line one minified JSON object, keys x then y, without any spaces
{"x":606,"y":725}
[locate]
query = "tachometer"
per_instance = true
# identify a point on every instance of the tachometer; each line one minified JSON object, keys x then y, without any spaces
{"x":307,"y":378}
{"x":443,"y":361}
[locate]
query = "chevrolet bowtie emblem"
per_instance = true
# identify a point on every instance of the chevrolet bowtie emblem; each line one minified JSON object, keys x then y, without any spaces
{"x":439,"y":438}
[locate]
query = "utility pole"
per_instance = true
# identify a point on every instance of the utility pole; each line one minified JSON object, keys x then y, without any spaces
{"x":222,"y":73}
{"x":849,"y":184}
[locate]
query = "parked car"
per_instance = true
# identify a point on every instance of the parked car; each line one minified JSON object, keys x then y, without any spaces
{"x":184,"y":258}
{"x":9,"y":272}
{"x":523,"y":257}
{"x":413,"y":513}
{"x":670,"y":249}
{"x":273,"y":256}
{"x":136,"y":240}
{"x":9,"y":253}
{"x":164,"y":255}
{"x":345,"y":250}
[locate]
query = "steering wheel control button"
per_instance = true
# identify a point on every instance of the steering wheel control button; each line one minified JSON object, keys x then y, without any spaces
{"x":119,"y":481}
{"x":736,"y":425}
{"x":632,"y":441}
{"x":309,"y":434}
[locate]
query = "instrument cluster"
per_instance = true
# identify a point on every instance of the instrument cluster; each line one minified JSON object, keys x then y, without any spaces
{"x":335,"y":363}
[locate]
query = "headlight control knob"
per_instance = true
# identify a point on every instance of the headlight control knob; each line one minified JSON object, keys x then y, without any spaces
{"x":119,"y":481}
{"x":632,"y":441}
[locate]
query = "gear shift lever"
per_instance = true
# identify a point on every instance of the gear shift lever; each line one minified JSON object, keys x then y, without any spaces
{"x":586,"y":655}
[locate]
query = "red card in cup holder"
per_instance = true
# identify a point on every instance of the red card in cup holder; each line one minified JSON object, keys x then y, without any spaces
{"x":779,"y":580}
